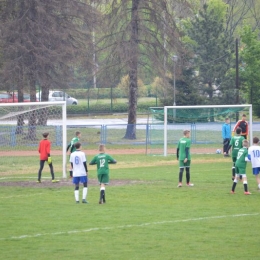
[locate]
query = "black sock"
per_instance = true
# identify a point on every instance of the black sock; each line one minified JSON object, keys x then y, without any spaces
{"x":181,"y":174}
{"x":70,"y":173}
{"x":245,"y":187}
{"x":102,"y":192}
{"x":233,"y":172}
{"x":104,"y":199}
{"x":234,"y":186}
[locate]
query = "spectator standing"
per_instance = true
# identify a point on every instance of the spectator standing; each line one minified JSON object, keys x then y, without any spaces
{"x":226,"y":135}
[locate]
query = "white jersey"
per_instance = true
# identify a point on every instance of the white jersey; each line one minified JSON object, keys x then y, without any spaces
{"x":78,"y":158}
{"x":254,"y":155}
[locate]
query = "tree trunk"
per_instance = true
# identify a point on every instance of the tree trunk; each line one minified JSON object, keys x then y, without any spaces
{"x":133,"y":63}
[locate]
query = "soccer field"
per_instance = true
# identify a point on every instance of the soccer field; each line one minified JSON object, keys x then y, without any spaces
{"x":146,"y":216}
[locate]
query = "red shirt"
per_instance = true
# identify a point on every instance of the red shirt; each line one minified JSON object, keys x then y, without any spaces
{"x":44,"y":149}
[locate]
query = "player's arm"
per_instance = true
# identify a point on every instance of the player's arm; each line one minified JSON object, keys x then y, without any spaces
{"x":71,"y":163}
{"x":93,"y":162}
{"x":68,"y":147}
{"x":71,"y":148}
{"x":177,"y":153}
{"x":85,"y":166}
{"x":187,"y":149}
{"x":113,"y":161}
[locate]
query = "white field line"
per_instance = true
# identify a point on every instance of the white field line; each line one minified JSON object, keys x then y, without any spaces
{"x":128,"y":226}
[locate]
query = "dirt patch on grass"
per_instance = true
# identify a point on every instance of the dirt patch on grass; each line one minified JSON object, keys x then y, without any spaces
{"x":63,"y":183}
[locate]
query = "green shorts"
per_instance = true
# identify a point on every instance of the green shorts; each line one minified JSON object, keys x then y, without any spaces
{"x":240,"y":170}
{"x":183,"y":165}
{"x":103,"y":178}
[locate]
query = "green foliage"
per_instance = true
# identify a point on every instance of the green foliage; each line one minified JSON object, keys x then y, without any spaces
{"x":250,"y":66}
{"x":124,"y":84}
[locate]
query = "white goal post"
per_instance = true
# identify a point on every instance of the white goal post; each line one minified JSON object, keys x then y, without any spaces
{"x":175,"y":109}
{"x":21,"y":128}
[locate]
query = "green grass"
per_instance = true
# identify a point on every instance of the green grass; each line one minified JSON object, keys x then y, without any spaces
{"x":148,"y":218}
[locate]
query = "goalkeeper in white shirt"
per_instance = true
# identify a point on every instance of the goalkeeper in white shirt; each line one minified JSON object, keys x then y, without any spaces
{"x":254,"y":157}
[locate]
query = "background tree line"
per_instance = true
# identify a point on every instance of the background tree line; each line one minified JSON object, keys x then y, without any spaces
{"x":48,"y":44}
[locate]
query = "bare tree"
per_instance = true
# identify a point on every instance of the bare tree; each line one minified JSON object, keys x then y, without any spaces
{"x":41,"y":42}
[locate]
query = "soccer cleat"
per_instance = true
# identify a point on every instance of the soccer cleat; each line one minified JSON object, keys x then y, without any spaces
{"x":179,"y":185}
{"x":190,"y":184}
{"x":247,"y":193}
{"x":100,"y":202}
{"x":77,"y":202}
{"x":84,"y":201}
{"x":232,"y":192}
{"x":38,"y":181}
{"x":70,"y":176}
{"x":55,"y":181}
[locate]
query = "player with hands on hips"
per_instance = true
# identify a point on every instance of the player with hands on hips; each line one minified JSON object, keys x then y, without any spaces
{"x":78,"y":163}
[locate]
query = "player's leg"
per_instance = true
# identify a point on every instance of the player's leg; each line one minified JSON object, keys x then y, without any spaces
{"x":84,"y":180}
{"x":235,"y":180}
{"x":181,"y":170}
{"x":76,"y":181}
{"x":244,"y":179}
{"x":187,"y":168}
{"x":256,"y":172}
{"x":52,"y":173}
{"x":233,"y":168}
{"x":40,"y":170}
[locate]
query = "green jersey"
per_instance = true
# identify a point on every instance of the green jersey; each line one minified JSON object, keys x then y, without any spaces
{"x":184,"y":143}
{"x":71,"y":144}
{"x":241,"y":158}
{"x":102,"y":160}
{"x":236,"y":144}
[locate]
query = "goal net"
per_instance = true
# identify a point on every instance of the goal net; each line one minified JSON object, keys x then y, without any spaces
{"x":21,"y":129}
{"x":205,"y":123}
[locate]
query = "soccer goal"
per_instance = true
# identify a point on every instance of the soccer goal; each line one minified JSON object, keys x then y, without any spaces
{"x":205,"y":123}
{"x":21,"y":129}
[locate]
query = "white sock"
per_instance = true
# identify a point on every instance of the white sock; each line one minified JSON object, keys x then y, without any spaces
{"x":259,"y":186}
{"x":76,"y":192}
{"x":85,"y":192}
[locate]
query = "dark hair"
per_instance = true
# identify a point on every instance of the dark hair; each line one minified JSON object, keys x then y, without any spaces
{"x":244,"y":115}
{"x":255,"y":140}
{"x":227,"y":118}
{"x":77,"y":133}
{"x":238,"y":130}
{"x":45,"y":135}
{"x":77,"y":145}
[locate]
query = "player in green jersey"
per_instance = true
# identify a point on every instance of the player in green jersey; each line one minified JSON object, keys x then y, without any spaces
{"x":242,"y":159}
{"x":102,"y":160}
{"x":236,"y":143}
{"x":184,"y":157}
{"x":72,"y":147}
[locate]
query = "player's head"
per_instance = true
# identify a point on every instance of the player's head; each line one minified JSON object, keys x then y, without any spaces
{"x":101,"y":148}
{"x":227,"y":120}
{"x":238,"y":131}
{"x":255,"y":140}
{"x":77,"y":133}
{"x":244,"y":117}
{"x":45,"y":135}
{"x":77,"y":145}
{"x":245,"y":143}
{"x":186,"y":133}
